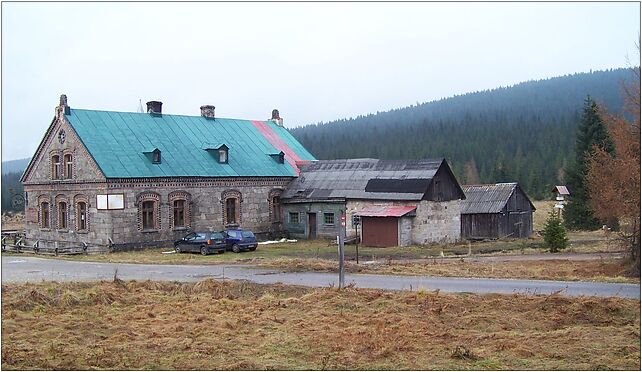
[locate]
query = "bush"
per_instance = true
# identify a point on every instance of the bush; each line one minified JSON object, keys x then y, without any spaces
{"x":555,"y":233}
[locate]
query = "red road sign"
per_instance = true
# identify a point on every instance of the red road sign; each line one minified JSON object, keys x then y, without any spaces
{"x":343,"y":220}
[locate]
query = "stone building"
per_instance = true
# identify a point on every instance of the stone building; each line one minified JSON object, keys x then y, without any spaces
{"x":129,"y":180}
{"x":398,"y":202}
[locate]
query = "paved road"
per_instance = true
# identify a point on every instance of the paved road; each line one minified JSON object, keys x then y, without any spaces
{"x":33,"y":269}
{"x":522,"y":257}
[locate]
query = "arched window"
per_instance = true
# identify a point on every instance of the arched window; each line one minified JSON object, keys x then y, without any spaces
{"x":82,"y":214}
{"x":149,"y":211}
{"x":148,"y":215}
{"x":230,"y":210}
{"x":274,"y":203}
{"x":69,"y":166}
{"x":180,"y":214}
{"x":44,"y":215}
{"x":62,"y":215}
{"x":55,"y":167}
{"x":231,"y":200}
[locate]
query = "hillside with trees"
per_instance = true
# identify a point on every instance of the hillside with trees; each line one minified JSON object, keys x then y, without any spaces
{"x":524,"y":133}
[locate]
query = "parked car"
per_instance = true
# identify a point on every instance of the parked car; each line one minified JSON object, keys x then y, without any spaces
{"x":203,"y":242}
{"x":240,"y":240}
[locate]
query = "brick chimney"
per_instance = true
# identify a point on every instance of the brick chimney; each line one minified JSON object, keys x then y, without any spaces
{"x":207,"y":112}
{"x":276,"y":118}
{"x":155,"y":107}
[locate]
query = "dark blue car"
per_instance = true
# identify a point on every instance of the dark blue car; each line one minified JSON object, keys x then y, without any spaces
{"x":203,"y":242}
{"x":240,"y":240}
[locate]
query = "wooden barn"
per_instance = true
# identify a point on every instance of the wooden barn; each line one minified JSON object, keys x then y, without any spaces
{"x":501,"y":210}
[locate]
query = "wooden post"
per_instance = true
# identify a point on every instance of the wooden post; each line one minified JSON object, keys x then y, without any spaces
{"x":356,"y":221}
{"x":341,"y":250}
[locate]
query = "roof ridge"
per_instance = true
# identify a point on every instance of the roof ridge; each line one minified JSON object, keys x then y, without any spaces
{"x":163,"y":114}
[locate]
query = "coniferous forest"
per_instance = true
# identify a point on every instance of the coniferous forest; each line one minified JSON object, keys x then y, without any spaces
{"x":524,"y":133}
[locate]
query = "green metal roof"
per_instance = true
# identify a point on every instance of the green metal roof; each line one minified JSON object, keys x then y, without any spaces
{"x":117,"y":142}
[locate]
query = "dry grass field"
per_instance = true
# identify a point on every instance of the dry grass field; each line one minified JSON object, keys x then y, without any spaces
{"x":606,"y":270}
{"x":214,"y":325}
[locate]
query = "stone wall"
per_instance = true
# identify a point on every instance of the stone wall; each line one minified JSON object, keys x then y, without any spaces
{"x":84,"y":167}
{"x":121,"y":226}
{"x":436,"y":222}
{"x":405,"y":231}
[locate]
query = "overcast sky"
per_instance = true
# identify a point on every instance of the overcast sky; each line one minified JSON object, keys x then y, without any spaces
{"x":313,"y":61}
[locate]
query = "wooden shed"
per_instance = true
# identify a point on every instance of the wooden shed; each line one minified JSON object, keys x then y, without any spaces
{"x":501,"y":210}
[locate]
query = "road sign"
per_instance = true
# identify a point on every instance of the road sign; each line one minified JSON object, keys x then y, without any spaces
{"x":343,"y":220}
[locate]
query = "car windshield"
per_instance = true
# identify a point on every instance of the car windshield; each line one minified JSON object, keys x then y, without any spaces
{"x":233,"y":234}
{"x":217,"y":236}
{"x":247,"y":234}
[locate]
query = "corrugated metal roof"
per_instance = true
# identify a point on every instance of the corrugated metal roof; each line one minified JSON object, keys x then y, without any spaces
{"x":386,"y":211}
{"x":348,"y":178}
{"x":562,"y":190}
{"x":486,"y":198}
{"x":116,"y":141}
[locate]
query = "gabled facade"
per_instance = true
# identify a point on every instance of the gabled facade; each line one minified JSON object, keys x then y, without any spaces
{"x":415,"y":202}
{"x":496,"y":211}
{"x":143,"y":179}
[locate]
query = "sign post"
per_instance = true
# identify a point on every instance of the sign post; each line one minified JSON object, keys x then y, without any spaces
{"x":356,"y":220}
{"x":341,"y":256}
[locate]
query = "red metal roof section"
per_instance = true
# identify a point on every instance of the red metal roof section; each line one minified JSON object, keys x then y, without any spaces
{"x":562,"y":190}
{"x":386,"y":211}
{"x":290,"y":156}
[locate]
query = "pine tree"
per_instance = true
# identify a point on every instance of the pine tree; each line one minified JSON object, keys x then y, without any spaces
{"x":591,"y":132}
{"x":554,"y":233}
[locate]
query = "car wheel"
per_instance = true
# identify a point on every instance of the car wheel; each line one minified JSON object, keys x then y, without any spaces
{"x":177,"y":249}
{"x":236,"y":248}
{"x":204,"y":251}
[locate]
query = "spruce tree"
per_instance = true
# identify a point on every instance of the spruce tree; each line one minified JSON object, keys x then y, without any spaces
{"x":591,"y":132}
{"x":554,"y":233}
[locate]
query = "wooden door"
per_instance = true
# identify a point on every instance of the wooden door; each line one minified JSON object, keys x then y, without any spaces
{"x":312,"y":225}
{"x":380,"y":231}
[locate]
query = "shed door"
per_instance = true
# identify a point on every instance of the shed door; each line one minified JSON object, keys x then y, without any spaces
{"x":380,"y":231}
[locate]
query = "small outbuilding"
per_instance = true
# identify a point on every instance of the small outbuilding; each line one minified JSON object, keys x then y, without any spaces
{"x":501,"y":210}
{"x":399,"y":202}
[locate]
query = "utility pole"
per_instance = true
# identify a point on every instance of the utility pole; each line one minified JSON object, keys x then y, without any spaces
{"x":341,"y":256}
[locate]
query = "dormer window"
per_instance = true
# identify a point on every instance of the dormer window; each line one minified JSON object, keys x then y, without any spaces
{"x":154,"y":155}
{"x":220,"y":152}
{"x":279,"y":157}
{"x":222,"y":155}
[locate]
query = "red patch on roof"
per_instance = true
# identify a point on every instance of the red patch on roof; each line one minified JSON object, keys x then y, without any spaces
{"x":290,"y":156}
{"x":386,"y":211}
{"x":562,"y":190}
